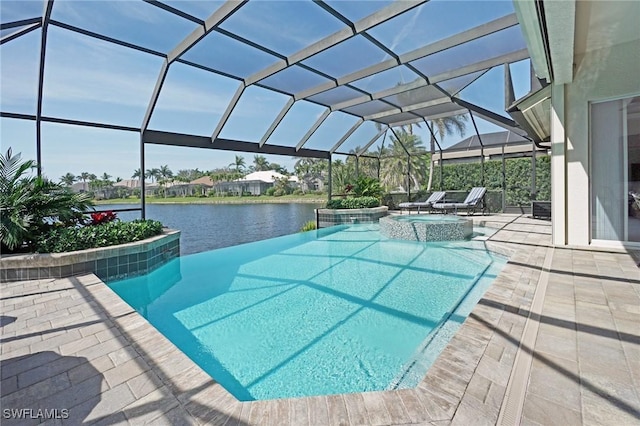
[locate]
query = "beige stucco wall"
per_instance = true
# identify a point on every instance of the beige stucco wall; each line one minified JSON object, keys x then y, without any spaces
{"x":599,"y":75}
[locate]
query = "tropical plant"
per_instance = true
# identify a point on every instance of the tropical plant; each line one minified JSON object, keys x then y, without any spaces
{"x":366,"y":186}
{"x":309,"y":226}
{"x":103,"y":235}
{"x":278,"y":168}
{"x":309,"y":171}
{"x":395,"y":160}
{"x":281,"y":186}
{"x":137,"y":174}
{"x":342,"y":174}
{"x":32,"y":205}
{"x":98,"y":218}
{"x":153,"y":174}
{"x":84,"y":177}
{"x":238,"y":165}
{"x":68,"y":179}
{"x":260,"y":163}
{"x":353,"y":203}
{"x":443,"y":127}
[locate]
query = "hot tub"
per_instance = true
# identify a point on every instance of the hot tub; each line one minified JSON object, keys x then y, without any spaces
{"x":427,"y":227}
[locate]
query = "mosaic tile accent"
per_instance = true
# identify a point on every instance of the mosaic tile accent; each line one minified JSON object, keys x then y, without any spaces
{"x":418,"y":230}
{"x":331,"y":217}
{"x":108,"y":263}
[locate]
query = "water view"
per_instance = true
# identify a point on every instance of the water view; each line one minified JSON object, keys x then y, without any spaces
{"x":211,"y":226}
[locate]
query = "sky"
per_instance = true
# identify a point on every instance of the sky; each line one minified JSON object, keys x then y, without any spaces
{"x":93,"y":80}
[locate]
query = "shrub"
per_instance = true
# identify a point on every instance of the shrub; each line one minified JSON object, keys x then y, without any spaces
{"x":367,"y":187}
{"x":297,"y":191}
{"x":98,"y":218}
{"x":270,"y":191}
{"x":464,"y":176}
{"x":353,"y":203}
{"x":31,"y":206}
{"x":279,"y":192}
{"x":309,"y":226}
{"x":107,"y":234}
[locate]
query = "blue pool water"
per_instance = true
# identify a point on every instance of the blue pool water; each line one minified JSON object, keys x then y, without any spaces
{"x":337,"y":310}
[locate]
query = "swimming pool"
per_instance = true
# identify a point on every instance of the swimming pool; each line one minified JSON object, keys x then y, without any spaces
{"x":337,"y":310}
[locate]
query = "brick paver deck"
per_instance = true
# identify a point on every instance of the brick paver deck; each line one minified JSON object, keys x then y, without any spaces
{"x":72,"y":344}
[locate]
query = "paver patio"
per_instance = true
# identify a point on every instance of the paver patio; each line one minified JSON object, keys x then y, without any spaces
{"x":555,"y":340}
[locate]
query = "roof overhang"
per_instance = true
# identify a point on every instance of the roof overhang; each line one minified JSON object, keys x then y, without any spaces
{"x":533,"y":114}
{"x":549,"y":30}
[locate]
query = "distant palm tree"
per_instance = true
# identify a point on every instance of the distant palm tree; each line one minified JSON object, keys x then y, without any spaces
{"x":106,"y":180}
{"x":260,"y":163}
{"x":137,"y":174}
{"x":164,"y":176}
{"x":444,"y":126}
{"x":309,"y":171}
{"x":68,"y":179}
{"x":152,"y":174}
{"x":84,"y":177}
{"x":238,"y":165}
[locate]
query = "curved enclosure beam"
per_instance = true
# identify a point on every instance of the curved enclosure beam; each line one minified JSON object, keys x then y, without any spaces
{"x":216,"y":18}
{"x":46,"y":16}
{"x":391,"y":11}
{"x":438,"y":46}
{"x":346,"y":135}
{"x":313,"y":128}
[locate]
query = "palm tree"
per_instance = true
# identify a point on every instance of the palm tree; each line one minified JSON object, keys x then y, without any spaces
{"x":165,"y":175}
{"x":260,"y":163}
{"x":165,"y":172}
{"x":394,"y":164}
{"x":106,"y":179}
{"x":152,"y":174}
{"x":278,"y":168}
{"x":31,"y":204}
{"x":84,"y":177}
{"x":444,"y":126}
{"x":137,"y":174}
{"x":68,"y":179}
{"x":342,"y":174}
{"x":309,"y":170}
{"x":238,"y":165}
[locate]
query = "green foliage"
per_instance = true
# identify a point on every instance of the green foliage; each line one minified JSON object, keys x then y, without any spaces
{"x":367,"y":187}
{"x":30,"y":205}
{"x":353,"y":203}
{"x":71,"y":239}
{"x":517,"y":185}
{"x":281,"y":186}
{"x":270,"y":191}
{"x":309,"y":226}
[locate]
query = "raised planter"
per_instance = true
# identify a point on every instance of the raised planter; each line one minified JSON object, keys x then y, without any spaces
{"x":108,"y":263}
{"x":331,"y":217}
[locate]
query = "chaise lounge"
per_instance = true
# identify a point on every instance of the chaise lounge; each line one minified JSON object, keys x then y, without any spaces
{"x":428,"y":203}
{"x":470,"y":204}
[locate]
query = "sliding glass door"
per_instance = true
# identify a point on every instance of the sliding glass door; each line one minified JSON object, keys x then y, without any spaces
{"x":615,"y":170}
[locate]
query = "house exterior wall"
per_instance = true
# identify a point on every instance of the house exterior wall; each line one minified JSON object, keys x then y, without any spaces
{"x":599,"y":75}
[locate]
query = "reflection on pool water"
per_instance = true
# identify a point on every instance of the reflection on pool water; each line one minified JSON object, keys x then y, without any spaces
{"x":341,"y":309}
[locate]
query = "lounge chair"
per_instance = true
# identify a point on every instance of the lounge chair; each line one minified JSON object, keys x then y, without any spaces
{"x":428,"y":203}
{"x":473,"y":200}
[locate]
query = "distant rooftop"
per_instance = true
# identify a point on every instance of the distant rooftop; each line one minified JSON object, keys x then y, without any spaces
{"x":489,"y":139}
